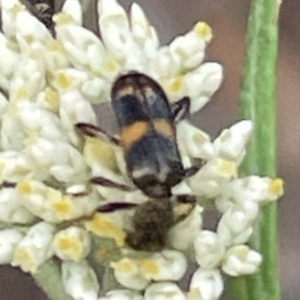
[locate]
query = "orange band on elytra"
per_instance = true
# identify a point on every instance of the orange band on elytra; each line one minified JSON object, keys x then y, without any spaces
{"x":164,"y":127}
{"x":131,"y":134}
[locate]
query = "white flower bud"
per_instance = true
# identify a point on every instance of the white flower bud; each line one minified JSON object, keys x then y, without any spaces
{"x":164,"y":291}
{"x":83,"y":47}
{"x":48,"y":99}
{"x":80,"y":280}
{"x":74,"y":108}
{"x":128,"y":274}
{"x":9,"y":238}
{"x":12,"y":134}
{"x":166,"y":64}
{"x":34,"y":31}
{"x":95,"y":90}
{"x":11,"y":209}
{"x":206,"y":285}
{"x":40,"y":121}
{"x":209,"y":250}
{"x":252,"y":188}
{"x":193,"y":142}
{"x":54,"y":206}
{"x":35,"y":248}
{"x":204,"y":31}
{"x":73,"y":243}
{"x":67,"y":165}
{"x":183,"y":234}
{"x":29,"y":75}
{"x":235,"y":226}
{"x":73,"y":9}
{"x":55,"y":57}
{"x":14,"y":166}
{"x":122,"y":295}
{"x":210,"y":180}
{"x":114,"y":27}
{"x":69,"y":79}
{"x":143,"y":33}
{"x":3,"y":104}
{"x":202,"y":83}
{"x":175,"y":88}
{"x":9,"y":59}
{"x":9,"y":10}
{"x":232,"y":141}
{"x":168,"y":265}
{"x":190,"y":48}
{"x":241,"y":260}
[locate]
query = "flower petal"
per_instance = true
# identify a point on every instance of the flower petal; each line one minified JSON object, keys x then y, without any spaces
{"x":35,"y":248}
{"x":80,"y":280}
{"x":164,"y":291}
{"x":241,"y":260}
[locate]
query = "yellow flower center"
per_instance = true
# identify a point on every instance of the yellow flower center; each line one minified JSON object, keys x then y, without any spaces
{"x":203,"y":30}
{"x":17,"y":8}
{"x":63,"y":19}
{"x":25,"y":188}
{"x":24,"y":259}
{"x":52,"y":98}
{"x":72,"y":246}
{"x":103,"y":226}
{"x":110,"y":66}
{"x":176,"y":85}
{"x":125,"y":265}
{"x":63,"y":81}
{"x":276,"y":187}
{"x":228,"y":167}
{"x":242,"y":253}
{"x":55,"y":45}
{"x":150,"y":267}
{"x":23,"y":255}
{"x":63,"y":205}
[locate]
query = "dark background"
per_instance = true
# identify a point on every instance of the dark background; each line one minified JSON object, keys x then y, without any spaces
{"x":228,"y":18}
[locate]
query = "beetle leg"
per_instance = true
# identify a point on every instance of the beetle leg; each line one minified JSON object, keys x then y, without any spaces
{"x":191,"y":171}
{"x":114,"y":206}
{"x":110,"y":184}
{"x":95,"y":131}
{"x":180,"y":109}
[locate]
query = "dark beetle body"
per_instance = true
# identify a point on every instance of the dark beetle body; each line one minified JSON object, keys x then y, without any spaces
{"x":147,"y":134}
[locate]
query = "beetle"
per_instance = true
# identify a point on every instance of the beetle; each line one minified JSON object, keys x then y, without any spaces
{"x":147,"y":134}
{"x":146,"y":123}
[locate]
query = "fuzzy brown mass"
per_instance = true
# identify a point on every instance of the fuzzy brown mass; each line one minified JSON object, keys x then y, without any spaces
{"x":151,"y":222}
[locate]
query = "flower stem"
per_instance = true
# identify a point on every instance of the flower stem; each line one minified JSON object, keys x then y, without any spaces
{"x":49,"y":279}
{"x":258,"y":104}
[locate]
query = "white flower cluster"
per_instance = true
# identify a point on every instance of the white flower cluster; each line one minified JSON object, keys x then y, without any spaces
{"x":49,"y":85}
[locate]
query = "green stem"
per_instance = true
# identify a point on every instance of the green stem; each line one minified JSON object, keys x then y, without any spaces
{"x":258,"y":104}
{"x":237,"y":289}
{"x":49,"y":279}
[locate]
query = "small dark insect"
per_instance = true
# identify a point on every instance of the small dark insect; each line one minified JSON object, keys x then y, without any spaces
{"x":152,"y":220}
{"x":150,"y":225}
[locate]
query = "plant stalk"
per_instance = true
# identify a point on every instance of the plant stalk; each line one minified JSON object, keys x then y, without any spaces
{"x":258,"y":103}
